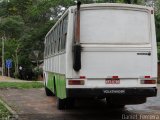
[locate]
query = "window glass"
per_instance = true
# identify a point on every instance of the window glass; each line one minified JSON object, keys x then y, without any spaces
{"x":49,"y":45}
{"x":45,"y":50}
{"x":58,"y":31}
{"x":65,"y":21}
{"x":115,"y":26}
{"x":52,"y":42}
{"x":60,"y":36}
{"x":56,"y":36}
{"x":56,"y":40}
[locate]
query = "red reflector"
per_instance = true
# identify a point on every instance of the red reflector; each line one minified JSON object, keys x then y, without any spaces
{"x":147,"y":76}
{"x":115,"y":77}
{"x":148,"y":81}
{"x":82,"y":77}
{"x":76,"y":82}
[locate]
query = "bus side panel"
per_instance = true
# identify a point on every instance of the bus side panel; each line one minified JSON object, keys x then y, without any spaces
{"x":60,"y":83}
{"x":60,"y":86}
{"x":50,"y":82}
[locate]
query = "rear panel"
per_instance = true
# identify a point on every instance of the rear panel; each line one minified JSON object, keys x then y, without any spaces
{"x":116,"y":42}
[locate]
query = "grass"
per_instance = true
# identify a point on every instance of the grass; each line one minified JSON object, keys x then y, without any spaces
{"x":4,"y":113}
{"x":21,"y":85}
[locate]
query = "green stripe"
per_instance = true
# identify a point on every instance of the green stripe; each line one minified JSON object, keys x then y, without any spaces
{"x":60,"y":84}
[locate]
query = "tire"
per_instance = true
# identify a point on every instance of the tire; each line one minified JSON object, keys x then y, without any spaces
{"x":61,"y":104}
{"x":70,"y":103}
{"x":48,"y":92}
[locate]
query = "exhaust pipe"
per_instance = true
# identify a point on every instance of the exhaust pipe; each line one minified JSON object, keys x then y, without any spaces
{"x":77,"y":46}
{"x":78,"y":23}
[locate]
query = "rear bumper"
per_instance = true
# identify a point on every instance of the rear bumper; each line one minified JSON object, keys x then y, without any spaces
{"x":111,"y":92}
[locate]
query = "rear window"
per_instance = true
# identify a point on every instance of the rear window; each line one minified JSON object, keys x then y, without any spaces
{"x":113,"y":26}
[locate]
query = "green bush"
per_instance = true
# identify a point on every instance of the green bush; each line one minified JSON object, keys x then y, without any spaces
{"x":38,"y":71}
{"x":16,"y":74}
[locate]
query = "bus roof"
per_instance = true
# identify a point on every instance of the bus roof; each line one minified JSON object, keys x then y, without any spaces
{"x":113,"y":5}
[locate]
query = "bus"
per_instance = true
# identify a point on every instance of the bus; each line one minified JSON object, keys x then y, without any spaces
{"x":102,"y":50}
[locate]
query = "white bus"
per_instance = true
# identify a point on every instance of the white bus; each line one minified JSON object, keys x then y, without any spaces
{"x":103,"y":50}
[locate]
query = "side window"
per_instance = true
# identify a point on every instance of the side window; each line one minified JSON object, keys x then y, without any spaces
{"x":55,"y":45}
{"x":48,"y":46}
{"x":45,"y":48}
{"x":60,"y":36}
{"x":52,"y":42}
{"x":56,"y":40}
{"x":65,"y":26}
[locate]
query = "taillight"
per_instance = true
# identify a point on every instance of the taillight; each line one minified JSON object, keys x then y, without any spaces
{"x":147,"y":76}
{"x":76,"y":82}
{"x":148,"y":81}
{"x":115,"y":77}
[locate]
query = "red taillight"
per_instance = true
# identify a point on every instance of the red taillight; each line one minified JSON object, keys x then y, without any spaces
{"x":75,"y":82}
{"x":115,"y":77}
{"x":148,"y":81}
{"x":147,"y":76}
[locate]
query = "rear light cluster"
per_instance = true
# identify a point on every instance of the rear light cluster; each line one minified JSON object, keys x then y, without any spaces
{"x":115,"y":77}
{"x":112,"y":78}
{"x":148,"y":80}
{"x":76,"y":82}
{"x":79,"y":81}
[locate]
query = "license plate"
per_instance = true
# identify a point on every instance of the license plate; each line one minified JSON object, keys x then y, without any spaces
{"x":114,"y":91}
{"x":112,"y":81}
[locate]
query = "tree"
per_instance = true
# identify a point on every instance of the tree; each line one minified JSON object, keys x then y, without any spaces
{"x":28,"y":21}
{"x":11,"y":27}
{"x":157,"y":19}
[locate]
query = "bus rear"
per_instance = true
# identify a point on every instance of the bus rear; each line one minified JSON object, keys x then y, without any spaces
{"x":118,"y":54}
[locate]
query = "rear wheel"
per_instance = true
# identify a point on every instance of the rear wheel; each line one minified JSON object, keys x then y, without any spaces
{"x":70,"y":103}
{"x":61,"y":103}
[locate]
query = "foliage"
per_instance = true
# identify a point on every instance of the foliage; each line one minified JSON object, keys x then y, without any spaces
{"x":157,"y":19}
{"x":21,"y":85}
{"x":16,"y":75}
{"x":10,"y":50}
{"x":24,"y":24}
{"x":38,"y":71}
{"x":11,"y":26}
{"x":10,"y":47}
{"x":4,"y":113}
